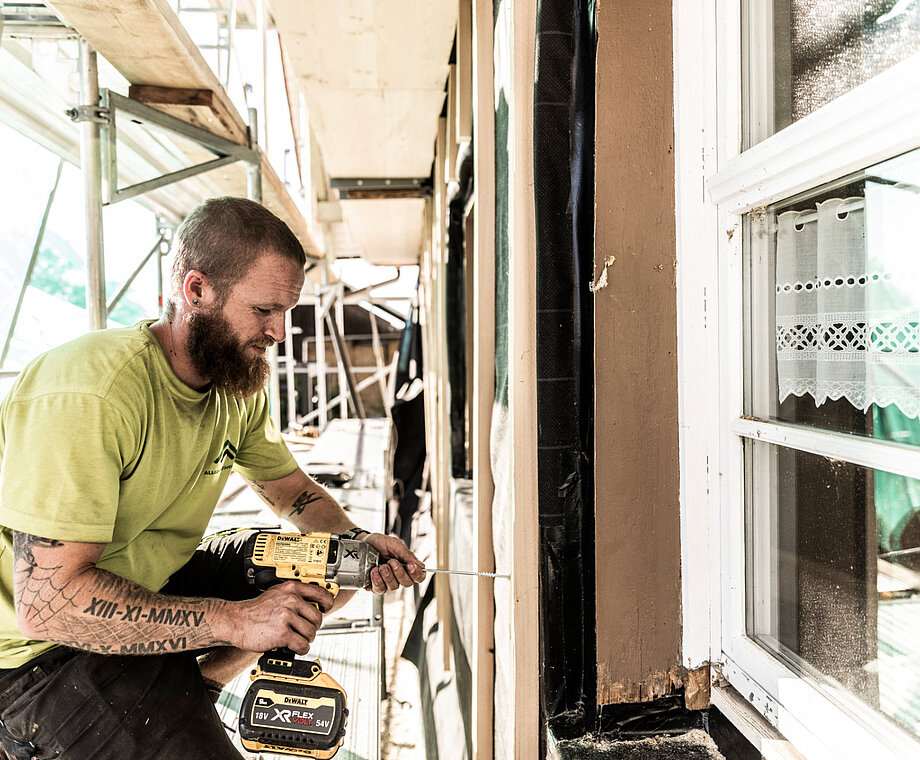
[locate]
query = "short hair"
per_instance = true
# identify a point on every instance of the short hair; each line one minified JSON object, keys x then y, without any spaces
{"x":223,"y":237}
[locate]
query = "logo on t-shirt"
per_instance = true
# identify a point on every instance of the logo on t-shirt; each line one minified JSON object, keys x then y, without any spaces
{"x":225,"y":458}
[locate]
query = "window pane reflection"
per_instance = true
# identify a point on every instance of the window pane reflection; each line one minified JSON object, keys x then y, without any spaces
{"x":802,"y":54}
{"x":834,"y":574}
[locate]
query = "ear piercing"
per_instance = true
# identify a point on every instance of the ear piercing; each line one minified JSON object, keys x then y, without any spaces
{"x":195,"y":301}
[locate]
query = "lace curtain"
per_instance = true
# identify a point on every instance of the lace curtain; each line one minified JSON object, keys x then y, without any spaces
{"x":847,"y":295}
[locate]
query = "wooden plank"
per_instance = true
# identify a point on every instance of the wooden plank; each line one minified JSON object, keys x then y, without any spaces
{"x":450,"y":152}
{"x":637,"y":472}
{"x":369,"y":71}
{"x":464,"y":108}
{"x":424,"y":297}
{"x":522,"y":385}
{"x":200,"y":108}
{"x":483,"y":265}
{"x":442,"y":464}
{"x":145,"y":41}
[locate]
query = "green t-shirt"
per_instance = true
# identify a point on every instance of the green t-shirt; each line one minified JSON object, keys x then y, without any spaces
{"x":100,"y":442}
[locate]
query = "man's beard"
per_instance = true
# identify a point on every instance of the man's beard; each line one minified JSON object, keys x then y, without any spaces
{"x":217,"y":354}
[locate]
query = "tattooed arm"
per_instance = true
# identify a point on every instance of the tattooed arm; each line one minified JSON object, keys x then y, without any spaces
{"x":61,"y":596}
{"x":305,"y":503}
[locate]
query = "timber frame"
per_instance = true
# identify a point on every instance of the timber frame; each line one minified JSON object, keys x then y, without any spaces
{"x":471,"y":81}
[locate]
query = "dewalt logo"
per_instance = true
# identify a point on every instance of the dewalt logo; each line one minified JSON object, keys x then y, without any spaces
{"x":224,"y":460}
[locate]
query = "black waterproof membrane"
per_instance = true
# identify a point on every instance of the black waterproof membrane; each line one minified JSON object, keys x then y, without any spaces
{"x":564,"y":205}
{"x":456,"y":317}
{"x":408,"y":414}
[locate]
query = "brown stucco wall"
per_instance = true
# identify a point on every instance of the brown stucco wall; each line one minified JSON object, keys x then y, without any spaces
{"x":638,"y":521}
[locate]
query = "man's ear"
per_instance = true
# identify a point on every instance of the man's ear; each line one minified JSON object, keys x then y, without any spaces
{"x":196,"y":290}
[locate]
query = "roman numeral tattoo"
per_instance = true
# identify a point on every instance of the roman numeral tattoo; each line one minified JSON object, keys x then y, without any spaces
{"x":107,"y":609}
{"x":121,"y":618}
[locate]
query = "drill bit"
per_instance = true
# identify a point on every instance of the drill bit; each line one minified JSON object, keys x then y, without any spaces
{"x":465,"y":572}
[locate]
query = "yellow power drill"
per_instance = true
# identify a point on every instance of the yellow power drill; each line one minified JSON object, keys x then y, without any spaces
{"x":292,"y":707}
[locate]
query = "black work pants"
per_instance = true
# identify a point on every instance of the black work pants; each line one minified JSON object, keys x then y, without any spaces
{"x":77,"y":705}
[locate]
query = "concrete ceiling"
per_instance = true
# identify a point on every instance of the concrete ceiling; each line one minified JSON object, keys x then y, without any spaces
{"x":372,"y":73}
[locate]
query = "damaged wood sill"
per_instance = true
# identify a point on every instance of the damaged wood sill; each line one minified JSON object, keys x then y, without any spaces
{"x":695,"y":685}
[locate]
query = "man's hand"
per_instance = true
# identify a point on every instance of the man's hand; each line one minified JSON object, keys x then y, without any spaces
{"x":403,"y":568}
{"x":285,"y":615}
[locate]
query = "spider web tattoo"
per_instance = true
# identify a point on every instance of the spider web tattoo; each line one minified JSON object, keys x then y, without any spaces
{"x":121,"y":618}
{"x":43,"y":593}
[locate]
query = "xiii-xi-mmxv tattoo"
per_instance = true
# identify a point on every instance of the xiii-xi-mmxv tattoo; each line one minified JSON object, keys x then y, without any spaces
{"x":122,"y":618}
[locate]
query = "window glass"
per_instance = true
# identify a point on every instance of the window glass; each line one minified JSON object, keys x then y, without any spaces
{"x":25,"y":202}
{"x":52,"y":310}
{"x":834,"y":306}
{"x":834,"y":575}
{"x":802,"y":54}
{"x":130,"y":231}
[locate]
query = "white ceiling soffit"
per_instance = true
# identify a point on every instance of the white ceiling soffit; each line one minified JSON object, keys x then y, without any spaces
{"x":372,"y":73}
{"x":389,"y":231}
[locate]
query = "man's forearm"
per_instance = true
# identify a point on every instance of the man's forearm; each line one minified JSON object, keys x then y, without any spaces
{"x":98,"y":611}
{"x":314,"y":509}
{"x":304,"y":503}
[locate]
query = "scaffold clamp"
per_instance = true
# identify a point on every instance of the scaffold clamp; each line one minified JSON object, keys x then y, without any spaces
{"x":96,"y":114}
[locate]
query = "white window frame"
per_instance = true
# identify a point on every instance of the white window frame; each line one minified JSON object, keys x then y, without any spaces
{"x":716,"y":185}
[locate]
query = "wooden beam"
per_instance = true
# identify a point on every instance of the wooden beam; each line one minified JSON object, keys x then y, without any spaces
{"x":637,"y":469}
{"x":483,"y":265}
{"x":429,"y":376}
{"x":450,"y":153}
{"x":522,"y":385}
{"x":200,"y":108}
{"x":464,"y":108}
{"x":382,"y":193}
{"x":442,"y":581}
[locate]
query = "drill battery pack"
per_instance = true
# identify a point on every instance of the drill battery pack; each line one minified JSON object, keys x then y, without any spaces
{"x":292,"y":707}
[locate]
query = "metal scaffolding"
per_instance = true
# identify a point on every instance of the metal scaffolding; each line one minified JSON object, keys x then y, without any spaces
{"x":100,"y":116}
{"x":328,"y":309}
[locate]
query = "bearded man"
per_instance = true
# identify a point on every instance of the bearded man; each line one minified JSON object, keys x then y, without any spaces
{"x":116,"y":628}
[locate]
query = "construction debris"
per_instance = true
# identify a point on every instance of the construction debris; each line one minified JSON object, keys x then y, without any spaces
{"x":693,"y":745}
